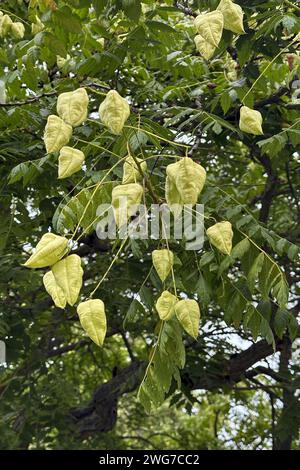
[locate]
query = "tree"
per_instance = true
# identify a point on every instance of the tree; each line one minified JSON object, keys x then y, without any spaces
{"x":191,"y":102}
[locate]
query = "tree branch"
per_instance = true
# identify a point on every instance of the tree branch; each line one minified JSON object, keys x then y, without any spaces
{"x":29,"y":101}
{"x":100,"y":414}
{"x":273,"y":99}
{"x":185,"y":9}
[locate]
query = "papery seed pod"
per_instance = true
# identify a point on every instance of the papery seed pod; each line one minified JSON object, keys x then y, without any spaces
{"x":250,"y":121}
{"x":114,"y":112}
{"x":50,"y":249}
{"x":165,"y":305}
{"x":125,"y":198}
{"x":173,"y":198}
{"x":233,"y":16}
{"x":68,"y":276}
{"x":54,"y":290}
{"x":57,"y":133}
{"x":72,"y":106}
{"x":131,"y":172}
{"x":37,"y":26}
{"x":231,"y":68}
{"x":61,"y":61}
{"x":17,"y":30}
{"x":163,"y":261}
{"x":69,"y":162}
{"x":220,"y":235}
{"x":188,"y":314}
{"x":188,"y":177}
{"x":5,"y":25}
{"x":93,"y":319}
{"x":210,"y":26}
{"x":205,"y":48}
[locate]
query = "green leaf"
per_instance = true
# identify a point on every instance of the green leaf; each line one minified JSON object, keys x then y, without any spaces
{"x":203,"y":290}
{"x":82,"y":208}
{"x":225,"y":102}
{"x":293,"y":327}
{"x":240,"y":249}
{"x":134,"y":313}
{"x":132,"y":9}
{"x":160,"y":26}
{"x":267,"y":333}
{"x":281,"y":292}
{"x":281,"y":321}
{"x":67,"y":20}
{"x":99,"y":6}
{"x":165,"y":361}
{"x":273,"y":145}
{"x":252,"y":321}
{"x":255,"y":270}
{"x":206,"y":258}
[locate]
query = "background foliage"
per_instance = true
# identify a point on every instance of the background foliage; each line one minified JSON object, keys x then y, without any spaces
{"x":239,"y":386}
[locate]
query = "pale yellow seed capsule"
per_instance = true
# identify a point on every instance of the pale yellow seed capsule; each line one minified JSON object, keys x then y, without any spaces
{"x":131,"y":172}
{"x":50,"y":249}
{"x":173,"y":198}
{"x":210,"y":26}
{"x":165,"y":305}
{"x":93,"y":319}
{"x":57,"y":134}
{"x":185,"y":181}
{"x":205,"y":48}
{"x":188,"y":314}
{"x":220,"y":235}
{"x":61,"y":61}
{"x":68,"y":276}
{"x":114,"y":112}
{"x":5,"y":25}
{"x":163,"y":261}
{"x":17,"y":30}
{"x":69,"y":162}
{"x":54,"y":290}
{"x":233,"y":16}
{"x":37,"y":26}
{"x":72,"y":106}
{"x":250,"y":121}
{"x":125,"y":198}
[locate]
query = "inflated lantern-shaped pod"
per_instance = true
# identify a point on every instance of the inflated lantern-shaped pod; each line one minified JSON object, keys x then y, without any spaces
{"x":131,"y":172}
{"x":72,"y":106}
{"x":250,"y":121}
{"x":125,"y":198}
{"x":220,"y":235}
{"x":54,"y":290}
{"x":114,"y":112}
{"x":57,"y":133}
{"x":93,"y":319}
{"x":165,"y":305}
{"x":210,"y":26}
{"x":188,"y":314}
{"x":68,"y":276}
{"x":50,"y":249}
{"x":205,"y":48}
{"x":186,"y":180}
{"x":163,"y":261}
{"x":17,"y":30}
{"x":233,"y":16}
{"x":5,"y":25}
{"x":69,"y":162}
